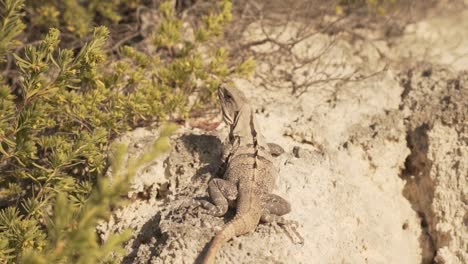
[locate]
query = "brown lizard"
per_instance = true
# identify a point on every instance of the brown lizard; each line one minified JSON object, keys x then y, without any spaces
{"x":249,"y":175}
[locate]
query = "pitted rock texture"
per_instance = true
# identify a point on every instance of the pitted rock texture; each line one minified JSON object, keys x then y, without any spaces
{"x":375,"y":169}
{"x":436,"y":106}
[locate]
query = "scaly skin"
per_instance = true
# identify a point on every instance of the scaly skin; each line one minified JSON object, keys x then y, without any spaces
{"x":249,"y":177}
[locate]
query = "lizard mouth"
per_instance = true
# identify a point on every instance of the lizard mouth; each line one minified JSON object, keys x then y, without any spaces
{"x":226,"y":117}
{"x":223,"y":102}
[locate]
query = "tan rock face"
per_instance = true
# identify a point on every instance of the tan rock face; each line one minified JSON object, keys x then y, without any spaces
{"x":375,"y":169}
{"x":435,"y":103}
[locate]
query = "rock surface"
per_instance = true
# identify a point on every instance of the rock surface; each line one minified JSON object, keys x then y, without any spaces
{"x":375,"y":170}
{"x":435,"y":106}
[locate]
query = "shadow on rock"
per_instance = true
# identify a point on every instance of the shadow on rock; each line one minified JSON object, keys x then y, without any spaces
{"x":206,"y":150}
{"x":150,"y":235}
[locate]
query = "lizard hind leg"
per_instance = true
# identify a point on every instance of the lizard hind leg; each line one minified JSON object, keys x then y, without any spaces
{"x":222,"y":193}
{"x":274,"y":207}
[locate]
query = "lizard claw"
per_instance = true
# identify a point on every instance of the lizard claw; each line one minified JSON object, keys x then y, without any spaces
{"x":203,"y":205}
{"x":293,"y":223}
{"x":198,"y":204}
{"x":193,"y":206}
{"x":292,"y":233}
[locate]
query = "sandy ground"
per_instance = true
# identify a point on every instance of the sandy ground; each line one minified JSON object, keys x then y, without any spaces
{"x":375,"y":170}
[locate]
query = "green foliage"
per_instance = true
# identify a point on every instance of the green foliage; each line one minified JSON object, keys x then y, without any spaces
{"x":10,"y":24}
{"x":214,"y":24}
{"x":76,"y":16}
{"x":169,"y":32}
{"x":71,"y":229}
{"x":67,"y":106}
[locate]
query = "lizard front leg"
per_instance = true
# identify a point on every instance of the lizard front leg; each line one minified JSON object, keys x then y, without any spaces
{"x":228,"y":148}
{"x":275,"y":149}
{"x":222,"y":193}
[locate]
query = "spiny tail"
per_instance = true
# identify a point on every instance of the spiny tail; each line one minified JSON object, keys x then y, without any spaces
{"x":243,"y":222}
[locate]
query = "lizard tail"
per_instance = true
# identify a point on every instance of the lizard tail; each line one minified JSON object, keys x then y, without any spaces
{"x":222,"y":237}
{"x":243,"y":222}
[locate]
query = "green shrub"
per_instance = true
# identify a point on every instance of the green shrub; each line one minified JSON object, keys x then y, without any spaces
{"x":76,"y":16}
{"x":58,"y":117}
{"x":10,"y":24}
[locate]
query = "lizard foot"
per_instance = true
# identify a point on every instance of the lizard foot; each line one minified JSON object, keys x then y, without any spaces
{"x":208,"y":208}
{"x":292,"y":233}
{"x":268,"y":217}
{"x":212,"y":209}
{"x":289,"y":226}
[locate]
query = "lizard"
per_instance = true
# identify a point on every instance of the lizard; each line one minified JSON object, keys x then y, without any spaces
{"x":249,"y":175}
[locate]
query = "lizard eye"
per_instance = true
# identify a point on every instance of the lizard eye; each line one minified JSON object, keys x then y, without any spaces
{"x":227,"y":96}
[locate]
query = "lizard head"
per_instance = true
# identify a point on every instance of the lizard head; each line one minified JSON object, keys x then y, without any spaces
{"x":232,"y":100}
